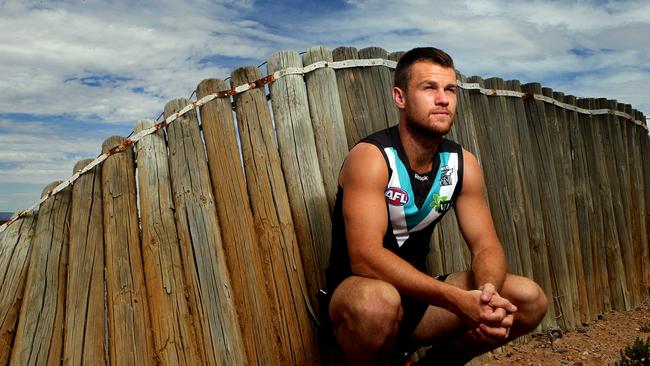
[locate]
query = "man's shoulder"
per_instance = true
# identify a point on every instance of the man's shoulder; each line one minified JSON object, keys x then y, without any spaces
{"x":365,"y":162}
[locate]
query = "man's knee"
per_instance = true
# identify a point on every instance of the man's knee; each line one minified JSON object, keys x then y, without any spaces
{"x":369,"y":309}
{"x":530,"y":300}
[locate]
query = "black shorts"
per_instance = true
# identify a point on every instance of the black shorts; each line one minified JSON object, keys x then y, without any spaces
{"x":413,"y":313}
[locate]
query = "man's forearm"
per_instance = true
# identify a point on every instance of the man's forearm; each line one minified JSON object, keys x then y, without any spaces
{"x":489,"y":266}
{"x":387,"y":266}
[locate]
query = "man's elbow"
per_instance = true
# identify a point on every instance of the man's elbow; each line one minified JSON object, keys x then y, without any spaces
{"x":362,"y":266}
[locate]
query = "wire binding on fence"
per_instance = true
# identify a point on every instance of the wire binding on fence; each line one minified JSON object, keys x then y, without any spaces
{"x":543,"y":98}
{"x":268,"y":79}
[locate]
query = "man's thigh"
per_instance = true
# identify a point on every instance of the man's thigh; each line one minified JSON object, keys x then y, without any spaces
{"x":437,"y":322}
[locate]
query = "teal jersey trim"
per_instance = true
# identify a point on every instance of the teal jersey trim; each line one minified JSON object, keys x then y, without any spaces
{"x":410,"y":208}
{"x":433,"y":198}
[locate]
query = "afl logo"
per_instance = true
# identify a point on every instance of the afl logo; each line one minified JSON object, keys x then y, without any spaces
{"x":396,"y":196}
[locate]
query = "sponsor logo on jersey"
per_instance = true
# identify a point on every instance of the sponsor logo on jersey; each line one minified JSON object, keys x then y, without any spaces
{"x":421,"y":178}
{"x":396,"y":196}
{"x":440,"y":203}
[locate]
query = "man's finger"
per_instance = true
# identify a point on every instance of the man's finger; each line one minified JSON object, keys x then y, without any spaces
{"x":487,"y":292}
{"x":501,"y":302}
{"x":494,"y":334}
{"x":493,"y":316}
{"x":508,"y":321}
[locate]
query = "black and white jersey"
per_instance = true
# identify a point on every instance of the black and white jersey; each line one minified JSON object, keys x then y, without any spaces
{"x":415,"y":203}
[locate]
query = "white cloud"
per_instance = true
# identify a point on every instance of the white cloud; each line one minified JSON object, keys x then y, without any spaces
{"x":527,"y":40}
{"x":139,"y":55}
{"x":38,"y":153}
{"x":159,"y":52}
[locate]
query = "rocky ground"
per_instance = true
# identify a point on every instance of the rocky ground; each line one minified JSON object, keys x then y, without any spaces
{"x":596,"y":343}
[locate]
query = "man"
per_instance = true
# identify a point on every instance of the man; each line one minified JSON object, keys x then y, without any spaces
{"x":394,"y":186}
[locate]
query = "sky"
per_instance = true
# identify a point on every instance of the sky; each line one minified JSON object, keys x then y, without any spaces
{"x":74,"y":73}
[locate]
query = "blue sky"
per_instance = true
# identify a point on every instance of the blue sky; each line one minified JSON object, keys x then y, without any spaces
{"x":76,"y":72}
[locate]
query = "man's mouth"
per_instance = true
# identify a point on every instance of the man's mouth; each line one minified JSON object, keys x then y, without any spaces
{"x":440,"y":112}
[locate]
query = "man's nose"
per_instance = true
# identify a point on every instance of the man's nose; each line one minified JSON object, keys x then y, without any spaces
{"x":442,"y":98}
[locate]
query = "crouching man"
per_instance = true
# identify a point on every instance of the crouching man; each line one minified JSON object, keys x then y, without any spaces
{"x":395,"y":185}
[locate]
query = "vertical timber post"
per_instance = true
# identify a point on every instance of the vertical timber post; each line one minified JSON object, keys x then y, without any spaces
{"x":85,"y":331}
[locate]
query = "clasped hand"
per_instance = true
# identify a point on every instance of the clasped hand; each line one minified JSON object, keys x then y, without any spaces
{"x":489,"y":316}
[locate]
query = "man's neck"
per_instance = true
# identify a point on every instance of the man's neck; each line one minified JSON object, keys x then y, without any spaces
{"x":419,"y":148}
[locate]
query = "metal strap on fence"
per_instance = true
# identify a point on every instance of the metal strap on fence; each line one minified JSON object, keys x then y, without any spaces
{"x":543,"y":98}
{"x":278,"y":75}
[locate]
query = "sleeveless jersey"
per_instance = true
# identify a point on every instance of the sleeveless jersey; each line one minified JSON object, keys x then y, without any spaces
{"x":415,"y":203}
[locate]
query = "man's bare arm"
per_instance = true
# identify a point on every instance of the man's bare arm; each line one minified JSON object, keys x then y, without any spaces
{"x":489,"y":264}
{"x":475,"y":221}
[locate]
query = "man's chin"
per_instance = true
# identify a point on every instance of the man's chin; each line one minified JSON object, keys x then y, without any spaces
{"x":434,"y":130}
{"x":441,"y":128}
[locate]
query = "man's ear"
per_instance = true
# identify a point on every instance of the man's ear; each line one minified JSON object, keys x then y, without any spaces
{"x":399,"y":97}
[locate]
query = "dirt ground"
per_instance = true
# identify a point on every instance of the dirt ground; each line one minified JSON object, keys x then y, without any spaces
{"x":595,"y":343}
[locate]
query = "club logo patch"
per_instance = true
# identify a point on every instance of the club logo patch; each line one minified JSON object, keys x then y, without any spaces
{"x":446,"y":176}
{"x":396,"y":196}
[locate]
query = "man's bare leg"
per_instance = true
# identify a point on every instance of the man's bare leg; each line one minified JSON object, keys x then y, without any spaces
{"x":439,"y":326}
{"x":365,"y":314}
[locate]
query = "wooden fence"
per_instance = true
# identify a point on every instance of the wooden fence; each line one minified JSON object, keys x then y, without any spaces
{"x":205,"y":243}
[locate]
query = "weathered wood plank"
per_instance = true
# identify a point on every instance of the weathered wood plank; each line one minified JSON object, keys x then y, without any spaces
{"x":326,"y":118}
{"x":492,"y":131}
{"x":639,"y":211}
{"x":129,"y":324}
{"x":85,"y":306}
{"x":553,"y":221}
{"x":299,"y":159}
{"x":644,"y":153}
{"x":533,"y":207}
{"x":175,"y":341}
{"x":635,"y":212}
{"x":394,"y":56}
{"x":612,"y":133}
{"x":39,"y":337}
{"x":211,"y":295}
{"x":279,"y":259}
{"x":561,"y":159}
{"x":378,"y":85}
{"x":352,"y":92}
{"x":578,"y":196}
{"x":567,"y":180}
{"x":602,"y":298}
{"x":510,"y":147}
{"x":15,"y":250}
{"x":611,"y":213}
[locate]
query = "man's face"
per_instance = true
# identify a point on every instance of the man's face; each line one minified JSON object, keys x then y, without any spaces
{"x":430,"y":99}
